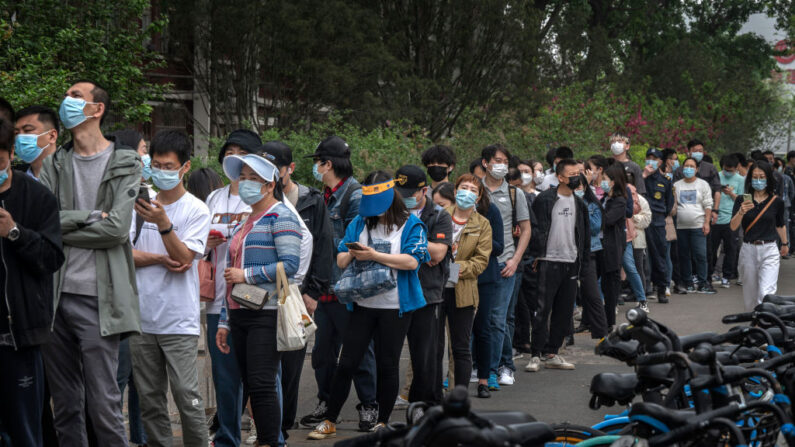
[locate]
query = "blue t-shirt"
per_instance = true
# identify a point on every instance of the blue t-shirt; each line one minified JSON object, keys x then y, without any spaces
{"x":737,"y":182}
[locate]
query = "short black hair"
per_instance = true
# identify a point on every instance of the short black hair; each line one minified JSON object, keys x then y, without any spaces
{"x":768,"y":170}
{"x":562,"y":165}
{"x":446,"y":190}
{"x":756,"y":154}
{"x":694,"y":142}
{"x":6,"y":109}
{"x":513,"y":174}
{"x":667,"y":152}
{"x":46,"y":115}
{"x":790,"y":155}
{"x":6,"y":135}
{"x":491,"y":150}
{"x":599,"y":161}
{"x":474,"y":164}
{"x":202,"y":182}
{"x":550,"y":157}
{"x":740,"y":158}
{"x":100,"y":94}
{"x":439,"y":154}
{"x":729,"y":161}
{"x":342,"y":166}
{"x":564,"y":152}
{"x":172,"y":141}
{"x":128,"y":137}
{"x":769,"y":152}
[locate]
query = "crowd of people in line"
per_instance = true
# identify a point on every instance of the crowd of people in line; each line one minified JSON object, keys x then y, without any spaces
{"x":104,"y":275}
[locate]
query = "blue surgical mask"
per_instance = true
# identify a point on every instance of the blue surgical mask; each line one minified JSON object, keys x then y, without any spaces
{"x":147,"y":171}
{"x":27,"y":147}
{"x":166,"y":180}
{"x":250,"y":191}
{"x":697,"y":156}
{"x":676,"y":164}
{"x":3,"y":175}
{"x":579,"y":193}
{"x":465,"y":199}
{"x":728,"y":174}
{"x":318,"y":176}
{"x":605,"y":185}
{"x":410,"y":202}
{"x":652,"y":163}
{"x":71,"y":112}
{"x":689,"y":171}
{"x":759,"y":184}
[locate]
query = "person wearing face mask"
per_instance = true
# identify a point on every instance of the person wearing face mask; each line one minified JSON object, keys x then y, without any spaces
{"x":551,"y":177}
{"x":172,"y":238}
{"x":660,"y":199}
{"x":31,"y":252}
{"x":564,"y":247}
{"x":426,"y":383}
{"x":614,"y":205}
{"x":733,"y":187}
{"x":514,"y":214}
{"x":528,"y":176}
{"x":693,"y":217}
{"x":764,"y":225}
{"x":37,"y":135}
{"x":95,"y":291}
{"x":704,"y":170}
{"x":619,"y":146}
{"x":439,"y":161}
{"x":270,"y":235}
{"x":342,"y":194}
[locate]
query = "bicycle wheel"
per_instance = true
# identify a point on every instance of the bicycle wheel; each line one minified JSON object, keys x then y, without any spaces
{"x":571,"y":434}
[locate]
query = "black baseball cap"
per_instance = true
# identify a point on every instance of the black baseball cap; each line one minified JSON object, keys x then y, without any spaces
{"x":410,"y":178}
{"x":282,"y":154}
{"x":246,"y":139}
{"x":654,"y":152}
{"x":332,"y":146}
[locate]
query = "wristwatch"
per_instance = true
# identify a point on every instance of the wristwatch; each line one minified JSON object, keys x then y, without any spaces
{"x":13,"y":234}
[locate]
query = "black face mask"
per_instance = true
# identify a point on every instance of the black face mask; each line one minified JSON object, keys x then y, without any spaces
{"x":437,"y":173}
{"x":574,"y":182}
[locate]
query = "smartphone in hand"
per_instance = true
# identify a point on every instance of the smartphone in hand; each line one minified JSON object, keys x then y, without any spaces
{"x":354,"y":246}
{"x":746,"y":197}
{"x":143,"y":194}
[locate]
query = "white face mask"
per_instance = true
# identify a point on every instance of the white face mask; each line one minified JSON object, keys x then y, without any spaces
{"x":617,"y":148}
{"x":499,"y":171}
{"x":526,"y":178}
{"x":539,"y":177}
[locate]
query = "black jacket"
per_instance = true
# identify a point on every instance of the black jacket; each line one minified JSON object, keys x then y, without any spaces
{"x":614,"y":232}
{"x":440,"y":230}
{"x":29,"y":262}
{"x":542,"y":208}
{"x":312,"y":209}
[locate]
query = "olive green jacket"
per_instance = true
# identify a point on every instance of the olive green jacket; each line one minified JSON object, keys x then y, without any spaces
{"x":474,"y":248}
{"x":109,"y":237}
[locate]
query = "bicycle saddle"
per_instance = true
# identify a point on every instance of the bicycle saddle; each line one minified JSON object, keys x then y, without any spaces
{"x":671,"y":418}
{"x":499,"y":417}
{"x":779,"y":299}
{"x":691,"y":341}
{"x":611,"y":388}
{"x":656,"y":374}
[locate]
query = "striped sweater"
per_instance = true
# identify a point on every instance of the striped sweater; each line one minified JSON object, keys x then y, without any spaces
{"x":274,"y":238}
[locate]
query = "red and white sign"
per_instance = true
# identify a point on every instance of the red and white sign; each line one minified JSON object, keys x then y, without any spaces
{"x":789,"y":57}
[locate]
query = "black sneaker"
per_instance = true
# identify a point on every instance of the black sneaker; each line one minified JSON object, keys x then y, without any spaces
{"x":661,"y":298}
{"x":368,"y":416}
{"x":569,"y":340}
{"x":679,"y":290}
{"x":707,"y":288}
{"x":691,"y":288}
{"x":317,"y":416}
{"x":483,"y":391}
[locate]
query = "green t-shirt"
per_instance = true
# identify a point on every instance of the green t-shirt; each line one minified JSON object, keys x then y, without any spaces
{"x":737,"y":182}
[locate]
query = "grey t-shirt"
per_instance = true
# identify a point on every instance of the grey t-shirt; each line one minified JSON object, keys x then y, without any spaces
{"x":502,"y":198}
{"x":561,"y":246}
{"x":631,"y":166}
{"x":81,"y":268}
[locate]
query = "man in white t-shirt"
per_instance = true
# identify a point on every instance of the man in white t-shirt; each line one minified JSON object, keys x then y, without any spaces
{"x":172,"y":238}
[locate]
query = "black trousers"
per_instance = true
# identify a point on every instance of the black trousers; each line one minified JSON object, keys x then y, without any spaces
{"x":611,"y":288}
{"x":426,"y":368}
{"x":254,"y":335}
{"x":656,"y":244}
{"x":675,"y":276}
{"x":460,"y":321}
{"x":721,"y":233}
{"x":388,"y":330}
{"x":593,"y":310}
{"x":22,"y":390}
{"x":553,"y":318}
{"x":526,"y":305}
{"x":292,"y":366}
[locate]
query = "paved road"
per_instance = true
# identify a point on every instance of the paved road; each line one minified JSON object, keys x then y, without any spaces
{"x":556,"y":396}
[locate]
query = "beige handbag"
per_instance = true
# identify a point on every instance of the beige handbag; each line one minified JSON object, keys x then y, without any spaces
{"x":294,"y":325}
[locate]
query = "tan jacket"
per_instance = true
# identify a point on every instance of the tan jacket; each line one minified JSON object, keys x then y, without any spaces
{"x":474,"y":248}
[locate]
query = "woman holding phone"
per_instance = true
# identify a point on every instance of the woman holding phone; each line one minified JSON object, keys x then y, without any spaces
{"x":762,"y":217}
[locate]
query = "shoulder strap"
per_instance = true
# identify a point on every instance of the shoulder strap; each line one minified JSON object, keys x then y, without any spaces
{"x":512,"y":193}
{"x":139,"y":223}
{"x":346,"y":200}
{"x":758,"y":216}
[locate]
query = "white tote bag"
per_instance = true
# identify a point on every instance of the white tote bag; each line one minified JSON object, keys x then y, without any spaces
{"x":294,"y":324}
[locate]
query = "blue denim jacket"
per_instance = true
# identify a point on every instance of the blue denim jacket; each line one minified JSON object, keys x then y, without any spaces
{"x":339,"y":222}
{"x":414,"y":242}
{"x":595,"y":218}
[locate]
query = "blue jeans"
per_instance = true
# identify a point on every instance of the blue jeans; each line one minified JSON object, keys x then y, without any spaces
{"x":498,"y":317}
{"x":510,"y":322}
{"x":124,"y":376}
{"x":228,"y":388}
{"x":628,"y":262}
{"x":692,"y":244}
{"x":481,"y":330}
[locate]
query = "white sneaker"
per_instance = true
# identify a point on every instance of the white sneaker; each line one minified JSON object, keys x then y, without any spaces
{"x":252,"y":435}
{"x":533,"y":365}
{"x":557,"y":362}
{"x":473,"y":378}
{"x":578,"y":313}
{"x":505,"y":376}
{"x":401,"y":403}
{"x":668,"y":291}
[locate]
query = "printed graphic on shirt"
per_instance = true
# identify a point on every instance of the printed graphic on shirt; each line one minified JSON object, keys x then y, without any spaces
{"x":565,"y":212}
{"x":688,"y":197}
